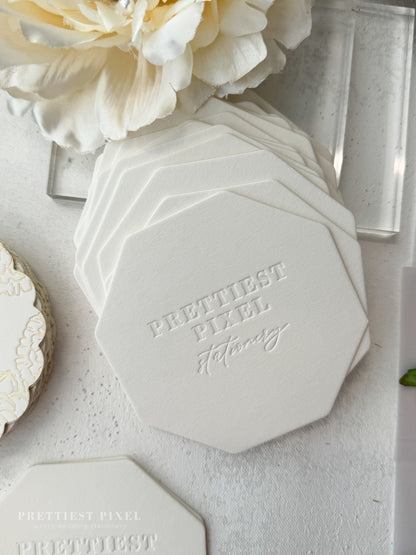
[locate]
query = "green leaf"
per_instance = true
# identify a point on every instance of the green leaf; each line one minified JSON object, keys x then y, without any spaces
{"x":409,"y":378}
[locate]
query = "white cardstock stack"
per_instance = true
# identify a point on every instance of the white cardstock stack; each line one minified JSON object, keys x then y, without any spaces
{"x":226,"y":274}
{"x":97,"y":507}
{"x":27,"y":334}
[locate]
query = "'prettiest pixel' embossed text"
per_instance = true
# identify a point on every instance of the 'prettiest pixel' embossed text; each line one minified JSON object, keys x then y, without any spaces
{"x":223,"y":309}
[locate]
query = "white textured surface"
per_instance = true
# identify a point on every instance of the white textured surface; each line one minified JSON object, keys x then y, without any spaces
{"x":323,"y":490}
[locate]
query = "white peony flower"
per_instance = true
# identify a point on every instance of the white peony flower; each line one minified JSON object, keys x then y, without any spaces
{"x":93,"y":70}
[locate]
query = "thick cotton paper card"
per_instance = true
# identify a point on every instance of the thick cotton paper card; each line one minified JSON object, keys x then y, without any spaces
{"x":232,"y":350}
{"x":96,"y":507}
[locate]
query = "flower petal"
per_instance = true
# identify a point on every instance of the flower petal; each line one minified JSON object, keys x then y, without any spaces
{"x":132,"y":93}
{"x":164,"y":11}
{"x":178,"y":72}
{"x":112,"y":19}
{"x":90,"y":13}
{"x":41,"y":27}
{"x":77,"y":21}
{"x":238,"y":18}
{"x":71,"y":120}
{"x":137,"y":21}
{"x":56,"y":37}
{"x":170,"y":40}
{"x":14,"y":48}
{"x":262,"y":5}
{"x":209,"y":27}
{"x":290,"y":21}
{"x":228,"y":58}
{"x":273,"y":63}
{"x":31,"y":12}
{"x":191,"y":98}
{"x":69,"y":71}
{"x":18,"y":106}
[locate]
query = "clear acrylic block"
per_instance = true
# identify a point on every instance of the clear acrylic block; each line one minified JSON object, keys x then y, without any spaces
{"x":348,"y":86}
{"x":375,"y":142}
{"x":70,"y":173}
{"x":312,"y":91}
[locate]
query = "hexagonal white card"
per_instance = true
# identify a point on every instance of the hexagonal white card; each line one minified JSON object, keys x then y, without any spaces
{"x":96,"y":507}
{"x":242,"y":322}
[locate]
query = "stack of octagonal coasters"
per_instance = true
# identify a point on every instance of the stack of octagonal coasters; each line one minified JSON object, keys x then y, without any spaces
{"x":226,"y":274}
{"x":96,"y":507}
{"x":27,"y":334}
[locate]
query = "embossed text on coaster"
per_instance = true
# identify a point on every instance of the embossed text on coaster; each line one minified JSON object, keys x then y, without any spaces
{"x":98,"y":507}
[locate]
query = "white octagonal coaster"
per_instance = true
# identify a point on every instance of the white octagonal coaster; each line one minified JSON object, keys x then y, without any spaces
{"x":100,"y":507}
{"x":231,"y":322}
